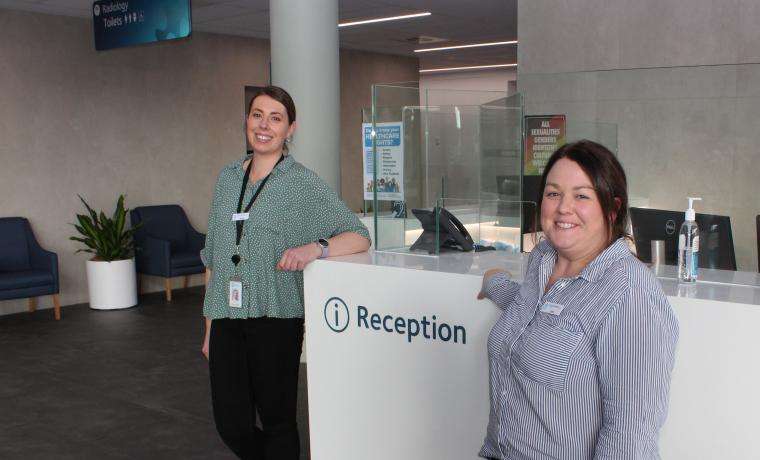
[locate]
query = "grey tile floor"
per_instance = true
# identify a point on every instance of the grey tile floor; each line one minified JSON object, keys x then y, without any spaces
{"x":127,"y":384}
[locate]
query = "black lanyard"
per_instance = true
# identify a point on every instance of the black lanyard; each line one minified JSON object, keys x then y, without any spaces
{"x":239,"y":223}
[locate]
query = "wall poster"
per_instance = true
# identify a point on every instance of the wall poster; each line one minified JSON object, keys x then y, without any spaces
{"x":543,"y":135}
{"x":390,"y":153}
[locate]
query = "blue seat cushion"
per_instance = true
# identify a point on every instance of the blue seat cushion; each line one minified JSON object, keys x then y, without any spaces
{"x":185,"y":259}
{"x":25,"y":279}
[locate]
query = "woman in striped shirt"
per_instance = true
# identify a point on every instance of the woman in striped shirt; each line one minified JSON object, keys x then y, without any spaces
{"x":581,"y":358}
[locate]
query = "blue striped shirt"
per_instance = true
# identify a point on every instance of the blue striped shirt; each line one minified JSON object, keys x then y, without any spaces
{"x":583,"y":370}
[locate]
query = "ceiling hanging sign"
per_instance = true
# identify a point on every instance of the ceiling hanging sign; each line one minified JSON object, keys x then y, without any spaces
{"x":120,"y":23}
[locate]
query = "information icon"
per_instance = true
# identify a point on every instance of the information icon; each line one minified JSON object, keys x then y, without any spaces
{"x":336,"y":314}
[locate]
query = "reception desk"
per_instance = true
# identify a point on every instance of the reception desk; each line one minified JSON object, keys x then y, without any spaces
{"x":397,"y":361}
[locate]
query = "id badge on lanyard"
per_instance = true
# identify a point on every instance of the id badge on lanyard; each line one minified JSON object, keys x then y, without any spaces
{"x":236,"y":292}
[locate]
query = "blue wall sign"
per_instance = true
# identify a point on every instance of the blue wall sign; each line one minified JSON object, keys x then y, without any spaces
{"x":120,"y":23}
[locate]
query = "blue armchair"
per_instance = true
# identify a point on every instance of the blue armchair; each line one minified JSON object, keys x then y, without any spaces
{"x":166,"y":244}
{"x":26,"y":270}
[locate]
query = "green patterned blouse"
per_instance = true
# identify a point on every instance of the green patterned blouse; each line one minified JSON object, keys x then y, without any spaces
{"x":294,"y":208}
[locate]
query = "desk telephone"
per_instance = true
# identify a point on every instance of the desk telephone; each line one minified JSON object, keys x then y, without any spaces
{"x":452,"y":234}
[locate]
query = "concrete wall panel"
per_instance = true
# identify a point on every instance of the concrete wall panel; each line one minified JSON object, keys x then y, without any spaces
{"x":683,"y":92}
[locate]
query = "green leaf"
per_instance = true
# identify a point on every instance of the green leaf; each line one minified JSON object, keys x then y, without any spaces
{"x":80,"y":229}
{"x":89,"y":209}
{"x":86,"y":224}
{"x":120,"y":215}
{"x":105,"y":236}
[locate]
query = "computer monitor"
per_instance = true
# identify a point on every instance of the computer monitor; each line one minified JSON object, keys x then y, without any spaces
{"x":716,"y":240}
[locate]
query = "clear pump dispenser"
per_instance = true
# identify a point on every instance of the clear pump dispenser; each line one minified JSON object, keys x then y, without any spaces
{"x":688,"y":246}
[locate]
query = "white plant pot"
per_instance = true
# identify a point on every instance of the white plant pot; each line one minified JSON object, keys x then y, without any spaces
{"x":112,"y":285}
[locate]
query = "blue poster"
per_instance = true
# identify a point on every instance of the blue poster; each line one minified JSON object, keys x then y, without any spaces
{"x":389,"y":140}
{"x":120,"y":23}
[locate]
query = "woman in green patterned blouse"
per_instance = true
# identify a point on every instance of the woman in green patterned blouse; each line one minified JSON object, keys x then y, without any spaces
{"x":270,"y":217}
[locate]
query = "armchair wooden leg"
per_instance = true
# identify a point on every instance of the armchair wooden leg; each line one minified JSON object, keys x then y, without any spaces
{"x":32,"y":304}
{"x":57,"y":306}
{"x":168,"y":288}
{"x":187,"y":281}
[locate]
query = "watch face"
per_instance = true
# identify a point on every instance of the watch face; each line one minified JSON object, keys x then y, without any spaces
{"x":323,"y":242}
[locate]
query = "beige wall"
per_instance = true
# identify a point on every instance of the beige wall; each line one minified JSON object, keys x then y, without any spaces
{"x":358,"y":71}
{"x":480,"y":80}
{"x":681,"y":83}
{"x":154,"y":122}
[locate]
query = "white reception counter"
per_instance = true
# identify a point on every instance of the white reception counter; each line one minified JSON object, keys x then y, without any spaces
{"x":397,"y":362}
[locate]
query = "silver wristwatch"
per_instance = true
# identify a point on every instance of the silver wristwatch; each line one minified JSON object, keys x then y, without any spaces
{"x":324,"y":245}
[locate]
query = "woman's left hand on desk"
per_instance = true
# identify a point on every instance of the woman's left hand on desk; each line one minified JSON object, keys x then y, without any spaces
{"x":296,"y":259}
{"x":486,"y":277}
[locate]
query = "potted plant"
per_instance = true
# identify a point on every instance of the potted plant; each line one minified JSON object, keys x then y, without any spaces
{"x":111,"y":278}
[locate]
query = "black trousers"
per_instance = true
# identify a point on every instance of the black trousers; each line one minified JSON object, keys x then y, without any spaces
{"x":253,"y":364}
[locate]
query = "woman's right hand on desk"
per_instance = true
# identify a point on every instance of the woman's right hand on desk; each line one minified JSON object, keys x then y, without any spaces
{"x":486,"y":277}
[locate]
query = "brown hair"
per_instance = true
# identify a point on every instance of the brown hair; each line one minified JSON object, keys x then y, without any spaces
{"x":607,"y":177}
{"x":279,"y":95}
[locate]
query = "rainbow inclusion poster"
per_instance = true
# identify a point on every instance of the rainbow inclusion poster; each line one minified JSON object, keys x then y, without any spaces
{"x":543,"y":135}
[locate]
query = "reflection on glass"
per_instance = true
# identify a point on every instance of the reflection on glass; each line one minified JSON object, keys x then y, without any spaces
{"x":465,"y":145}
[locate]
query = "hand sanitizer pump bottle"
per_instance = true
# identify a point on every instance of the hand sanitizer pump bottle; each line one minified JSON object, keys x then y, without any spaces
{"x":688,"y":246}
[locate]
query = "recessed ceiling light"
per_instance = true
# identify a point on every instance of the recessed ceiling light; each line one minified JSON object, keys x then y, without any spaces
{"x":474,"y":45}
{"x":390,"y":18}
{"x":472,"y":67}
